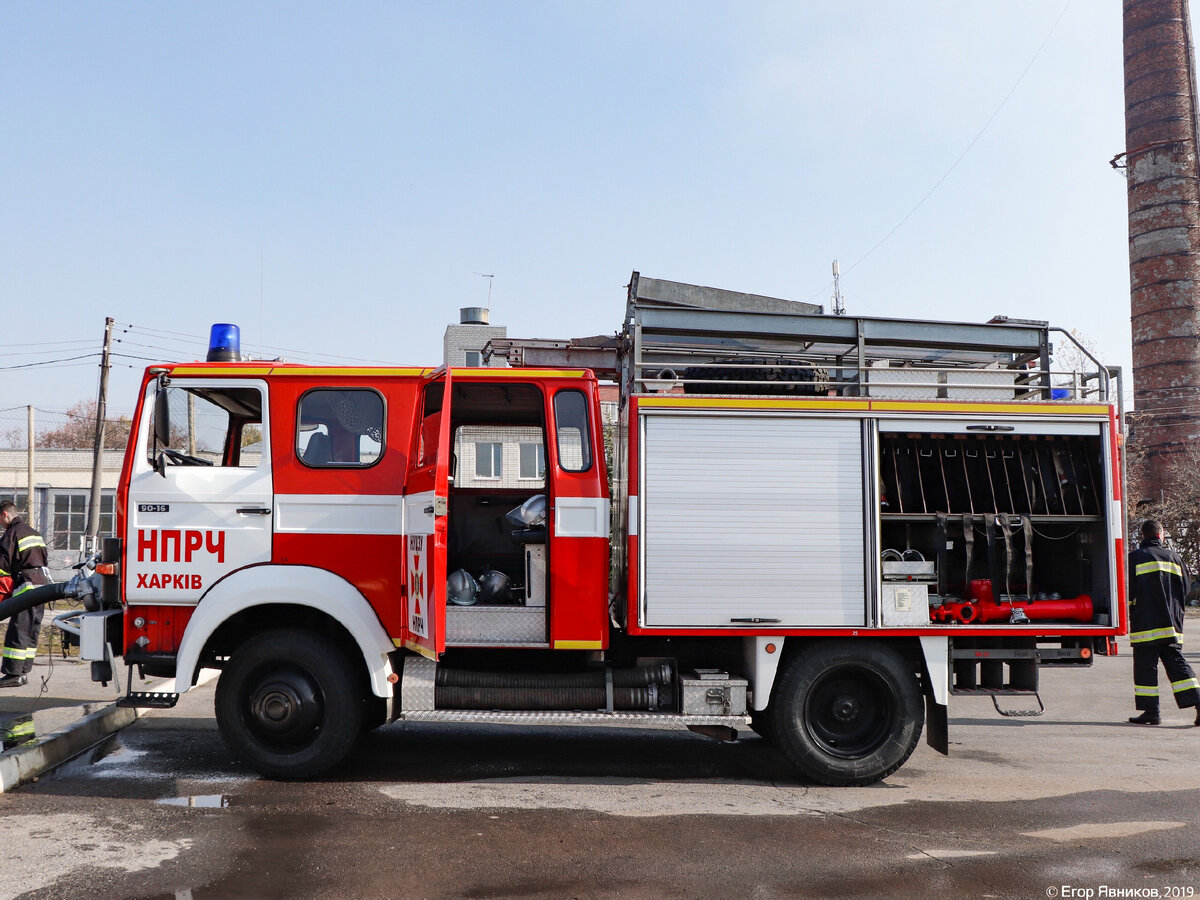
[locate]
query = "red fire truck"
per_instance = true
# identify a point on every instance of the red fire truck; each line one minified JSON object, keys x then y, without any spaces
{"x":816,"y":526}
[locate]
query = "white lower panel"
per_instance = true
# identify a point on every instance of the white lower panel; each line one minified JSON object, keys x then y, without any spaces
{"x":338,"y":513}
{"x":752,"y":517}
{"x":581,"y":517}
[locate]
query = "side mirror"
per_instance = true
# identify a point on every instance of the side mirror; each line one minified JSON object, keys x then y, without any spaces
{"x":162,"y":418}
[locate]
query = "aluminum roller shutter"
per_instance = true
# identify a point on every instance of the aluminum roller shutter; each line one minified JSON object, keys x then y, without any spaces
{"x":752,"y":516}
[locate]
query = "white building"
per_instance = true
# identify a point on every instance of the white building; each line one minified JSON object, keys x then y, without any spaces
{"x":462,"y":344}
{"x":62,"y":481}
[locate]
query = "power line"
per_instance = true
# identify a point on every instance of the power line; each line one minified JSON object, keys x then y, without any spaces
{"x":954,"y":165}
{"x":52,"y":362}
{"x":36,"y":352}
{"x":144,"y":358}
{"x":195,"y":340}
{"x":46,"y":343}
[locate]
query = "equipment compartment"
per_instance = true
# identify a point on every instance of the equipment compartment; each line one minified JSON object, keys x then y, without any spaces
{"x":1010,"y":521}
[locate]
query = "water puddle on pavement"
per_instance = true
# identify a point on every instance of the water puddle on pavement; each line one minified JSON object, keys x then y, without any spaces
{"x":207,"y":801}
{"x":16,"y":731}
{"x":108,"y":751}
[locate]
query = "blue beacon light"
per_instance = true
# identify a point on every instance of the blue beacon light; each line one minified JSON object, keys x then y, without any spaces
{"x":225,"y":343}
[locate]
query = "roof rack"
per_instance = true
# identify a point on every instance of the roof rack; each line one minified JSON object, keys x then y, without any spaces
{"x":687,"y":338}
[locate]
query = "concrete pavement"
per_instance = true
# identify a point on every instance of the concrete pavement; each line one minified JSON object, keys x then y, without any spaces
{"x":60,"y":713}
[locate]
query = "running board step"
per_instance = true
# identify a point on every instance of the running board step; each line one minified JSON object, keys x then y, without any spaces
{"x":1004,"y":692}
{"x":1012,"y":713}
{"x":498,"y":717}
{"x":148,"y":700}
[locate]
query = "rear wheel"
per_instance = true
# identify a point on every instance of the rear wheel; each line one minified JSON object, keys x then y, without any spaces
{"x":289,"y":704}
{"x":847,"y":712}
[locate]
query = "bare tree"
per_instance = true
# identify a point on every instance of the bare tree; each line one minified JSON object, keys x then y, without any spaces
{"x":1178,"y":511}
{"x":79,"y":431}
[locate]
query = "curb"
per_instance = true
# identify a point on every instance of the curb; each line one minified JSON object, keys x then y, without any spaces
{"x":22,"y":765}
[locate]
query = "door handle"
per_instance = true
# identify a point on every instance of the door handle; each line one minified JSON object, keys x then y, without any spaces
{"x":254,"y":511}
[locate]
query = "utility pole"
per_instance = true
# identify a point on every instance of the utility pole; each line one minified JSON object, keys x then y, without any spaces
{"x":93,"y":527}
{"x":29,"y":511}
{"x":191,"y":398}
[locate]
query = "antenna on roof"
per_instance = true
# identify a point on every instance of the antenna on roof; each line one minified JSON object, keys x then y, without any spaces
{"x":490,"y":279}
{"x":839,"y":302}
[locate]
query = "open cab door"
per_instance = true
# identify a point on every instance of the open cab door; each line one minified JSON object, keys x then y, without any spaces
{"x":426,"y":505}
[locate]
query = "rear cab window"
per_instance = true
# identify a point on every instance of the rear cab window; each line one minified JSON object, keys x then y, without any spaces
{"x":340,"y":428}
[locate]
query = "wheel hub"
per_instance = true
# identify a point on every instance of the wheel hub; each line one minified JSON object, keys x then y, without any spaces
{"x":849,"y":712}
{"x":286,"y":707}
{"x":845,"y":709}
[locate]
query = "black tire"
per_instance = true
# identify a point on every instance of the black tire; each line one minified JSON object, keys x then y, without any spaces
{"x":847,"y":712}
{"x":760,"y":724}
{"x":374,"y":713}
{"x":289,"y":704}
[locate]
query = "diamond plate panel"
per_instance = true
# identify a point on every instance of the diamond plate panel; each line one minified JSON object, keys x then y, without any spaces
{"x":993,"y":384}
{"x":495,"y":625}
{"x":568,"y":718}
{"x":417,"y":684}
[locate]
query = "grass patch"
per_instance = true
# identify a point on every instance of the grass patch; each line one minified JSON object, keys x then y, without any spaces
{"x":50,"y":639}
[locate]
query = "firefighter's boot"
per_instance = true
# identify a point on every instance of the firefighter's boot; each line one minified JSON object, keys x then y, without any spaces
{"x":1149,"y":717}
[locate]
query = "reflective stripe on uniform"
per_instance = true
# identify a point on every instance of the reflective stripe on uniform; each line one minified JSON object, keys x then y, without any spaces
{"x":1155,"y":634}
{"x":1188,"y":684}
{"x":3,"y":574}
{"x":1139,"y":691}
{"x":27,"y":586}
{"x":1156,"y":565}
{"x":35,"y":540}
{"x":20,"y":653}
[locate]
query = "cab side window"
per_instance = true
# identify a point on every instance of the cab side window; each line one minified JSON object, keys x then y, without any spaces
{"x":212,"y":427}
{"x":340,"y":428}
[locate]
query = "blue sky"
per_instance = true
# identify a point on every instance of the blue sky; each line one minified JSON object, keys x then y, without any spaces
{"x":332,"y":176}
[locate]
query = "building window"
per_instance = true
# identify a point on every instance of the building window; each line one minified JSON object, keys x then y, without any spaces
{"x":21,"y":500}
{"x":489,"y":460}
{"x":108,"y":517}
{"x":70,"y":520}
{"x":474,"y":358}
{"x":533,"y":461}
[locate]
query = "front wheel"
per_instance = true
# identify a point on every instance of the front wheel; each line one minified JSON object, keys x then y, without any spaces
{"x":847,"y":712}
{"x":288,"y":703}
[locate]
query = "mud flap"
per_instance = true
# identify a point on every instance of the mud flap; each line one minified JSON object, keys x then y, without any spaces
{"x":937,"y":725}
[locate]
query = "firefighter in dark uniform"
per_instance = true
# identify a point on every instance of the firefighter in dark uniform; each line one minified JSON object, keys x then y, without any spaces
{"x":1158,"y":584}
{"x":23,"y":559}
